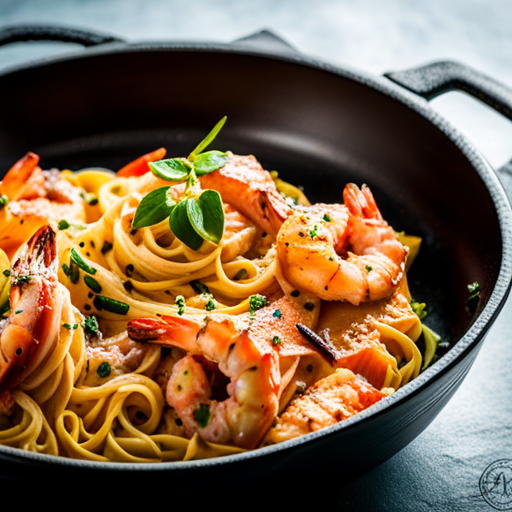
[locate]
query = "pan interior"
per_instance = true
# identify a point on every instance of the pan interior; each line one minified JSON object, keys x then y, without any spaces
{"x":317,"y":129}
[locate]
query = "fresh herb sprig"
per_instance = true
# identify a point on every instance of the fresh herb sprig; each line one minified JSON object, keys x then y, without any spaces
{"x":199,"y":215}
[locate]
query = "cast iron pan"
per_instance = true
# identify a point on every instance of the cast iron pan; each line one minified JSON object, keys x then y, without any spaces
{"x":320,"y":126}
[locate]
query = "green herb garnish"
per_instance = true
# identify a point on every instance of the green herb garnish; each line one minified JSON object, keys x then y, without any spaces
{"x":6,"y":272}
{"x":154,"y":208}
{"x":419,"y":309}
{"x":199,"y":216}
{"x":240,"y":274}
{"x":3,"y":201}
{"x":72,"y":272}
{"x":180,"y":302}
{"x":90,"y":325}
{"x":277,"y":314}
{"x":63,"y":224}
{"x":104,"y":369}
{"x":276,"y":340}
{"x":113,"y":306}
{"x":67,"y":326}
{"x":199,"y":287}
{"x":210,"y":305}
{"x":89,"y":198}
{"x":368,"y":268}
{"x":202,"y":415}
{"x":79,"y":262}
{"x":257,"y":302}
{"x":313,"y":232}
{"x":92,"y":284}
{"x":23,"y":279}
{"x":327,"y":218}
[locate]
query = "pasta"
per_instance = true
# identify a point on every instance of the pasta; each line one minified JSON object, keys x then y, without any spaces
{"x":154,"y":349}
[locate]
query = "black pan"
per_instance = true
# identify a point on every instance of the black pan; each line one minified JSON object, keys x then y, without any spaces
{"x":320,"y":126}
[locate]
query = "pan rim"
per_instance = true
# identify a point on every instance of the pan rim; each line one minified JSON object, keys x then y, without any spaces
{"x":461,"y":349}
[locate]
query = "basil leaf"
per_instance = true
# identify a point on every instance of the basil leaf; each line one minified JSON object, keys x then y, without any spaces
{"x":181,"y":226}
{"x":154,"y":208}
{"x":206,"y":216}
{"x":172,"y":169}
{"x":209,"y":162}
{"x":208,"y":139}
{"x":212,"y":208}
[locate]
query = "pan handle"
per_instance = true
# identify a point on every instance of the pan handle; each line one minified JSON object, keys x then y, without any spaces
{"x":437,"y":78}
{"x":266,"y":41}
{"x":28,"y":33}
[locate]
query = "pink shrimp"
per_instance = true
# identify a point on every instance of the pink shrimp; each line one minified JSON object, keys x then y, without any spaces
{"x":36,"y":300}
{"x":245,"y":185}
{"x":35,"y":198}
{"x":248,"y":354}
{"x":342,"y":252}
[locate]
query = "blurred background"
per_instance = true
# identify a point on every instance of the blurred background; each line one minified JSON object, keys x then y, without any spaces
{"x":440,"y":470}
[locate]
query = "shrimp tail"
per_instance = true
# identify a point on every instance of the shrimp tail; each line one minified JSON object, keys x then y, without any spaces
{"x":24,"y":180}
{"x":361,"y":202}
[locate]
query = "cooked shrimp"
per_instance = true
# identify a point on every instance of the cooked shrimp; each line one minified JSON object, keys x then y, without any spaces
{"x":253,"y":355}
{"x":36,"y":300}
{"x":35,"y":198}
{"x":342,"y":252}
{"x":331,"y":400}
{"x":245,"y":185}
{"x":120,"y":354}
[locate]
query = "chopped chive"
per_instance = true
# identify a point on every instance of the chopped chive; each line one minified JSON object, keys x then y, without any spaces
{"x":92,"y":284}
{"x":276,"y":340}
{"x":314,"y":231}
{"x":25,"y":279}
{"x":90,"y":325}
{"x":240,"y":274}
{"x":77,"y":259}
{"x":199,"y":287}
{"x":63,"y":224}
{"x":210,"y":305}
{"x":75,"y":326}
{"x":202,"y":415}
{"x":3,"y":201}
{"x":67,"y":326}
{"x":257,"y":302}
{"x":180,"y":302}
{"x":113,"y":306}
{"x":277,"y":313}
{"x":368,"y":268}
{"x":18,"y":311}
{"x":72,"y":272}
{"x":104,"y":369}
{"x":327,"y":218}
{"x":6,"y":272}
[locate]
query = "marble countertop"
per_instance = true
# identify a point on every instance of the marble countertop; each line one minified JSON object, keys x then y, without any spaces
{"x":440,"y":470}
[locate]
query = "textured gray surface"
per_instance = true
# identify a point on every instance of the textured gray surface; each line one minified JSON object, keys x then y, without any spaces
{"x":440,"y":470}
